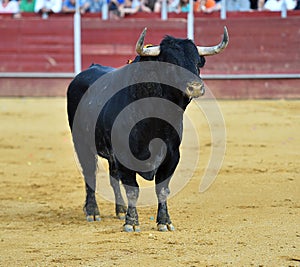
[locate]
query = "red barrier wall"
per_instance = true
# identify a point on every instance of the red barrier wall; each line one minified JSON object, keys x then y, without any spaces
{"x":260,"y":42}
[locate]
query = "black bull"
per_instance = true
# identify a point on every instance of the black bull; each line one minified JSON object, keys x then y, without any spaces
{"x":162,"y":80}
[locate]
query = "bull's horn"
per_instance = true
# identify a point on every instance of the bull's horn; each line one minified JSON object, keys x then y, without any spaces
{"x":146,"y":51}
{"x":213,"y":50}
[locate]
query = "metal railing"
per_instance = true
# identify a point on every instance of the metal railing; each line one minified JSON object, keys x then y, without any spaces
{"x":67,"y":75}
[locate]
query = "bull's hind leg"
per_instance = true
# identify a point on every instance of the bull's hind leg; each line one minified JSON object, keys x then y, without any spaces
{"x":88,"y":161}
{"x":115,"y":184}
{"x":90,"y":207}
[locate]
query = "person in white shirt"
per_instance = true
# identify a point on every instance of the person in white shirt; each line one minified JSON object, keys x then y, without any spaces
{"x":45,"y":7}
{"x":276,"y":5}
{"x":9,"y":7}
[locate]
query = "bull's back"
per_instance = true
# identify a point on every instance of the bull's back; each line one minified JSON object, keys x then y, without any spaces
{"x":80,"y":85}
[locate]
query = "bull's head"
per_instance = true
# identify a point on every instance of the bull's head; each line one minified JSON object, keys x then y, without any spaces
{"x":194,"y":88}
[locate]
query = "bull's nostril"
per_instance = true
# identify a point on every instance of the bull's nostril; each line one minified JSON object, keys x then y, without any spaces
{"x":190,"y":89}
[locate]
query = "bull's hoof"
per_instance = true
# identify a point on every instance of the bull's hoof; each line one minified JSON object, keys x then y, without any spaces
{"x":91,"y":211}
{"x":121,"y":216}
{"x":171,"y":227}
{"x":128,"y":228}
{"x":165,"y":227}
{"x":131,"y":228}
{"x":137,"y":228}
{"x":91,"y":218}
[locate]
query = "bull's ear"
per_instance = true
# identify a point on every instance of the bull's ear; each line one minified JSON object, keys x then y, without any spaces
{"x":201,"y":62}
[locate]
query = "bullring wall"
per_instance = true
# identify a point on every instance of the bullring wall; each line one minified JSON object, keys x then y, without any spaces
{"x":260,"y":43}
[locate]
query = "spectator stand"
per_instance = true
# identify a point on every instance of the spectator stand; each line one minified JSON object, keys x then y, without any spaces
{"x":38,"y":58}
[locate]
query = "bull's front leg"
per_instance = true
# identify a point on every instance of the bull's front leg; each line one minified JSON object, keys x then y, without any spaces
{"x":162,"y":180}
{"x":132,"y":193}
{"x":119,"y":201}
{"x":163,"y":219}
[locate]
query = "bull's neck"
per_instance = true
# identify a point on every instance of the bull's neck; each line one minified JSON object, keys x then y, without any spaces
{"x":178,"y":98}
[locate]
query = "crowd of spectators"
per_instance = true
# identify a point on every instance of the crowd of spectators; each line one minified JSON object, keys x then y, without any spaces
{"x":120,"y":8}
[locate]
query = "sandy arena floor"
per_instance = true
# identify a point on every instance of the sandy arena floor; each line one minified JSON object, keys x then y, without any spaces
{"x":250,"y":216}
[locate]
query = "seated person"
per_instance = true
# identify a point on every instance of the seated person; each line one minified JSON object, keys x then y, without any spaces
{"x":208,"y":6}
{"x":27,"y":5}
{"x":184,"y":6}
{"x":129,"y":7}
{"x":172,"y":6}
{"x":45,"y":7}
{"x":94,"y":6}
{"x":69,"y":6}
{"x":114,"y":7}
{"x":276,"y":5}
{"x":10,"y":7}
{"x":237,"y":5}
{"x":150,"y":6}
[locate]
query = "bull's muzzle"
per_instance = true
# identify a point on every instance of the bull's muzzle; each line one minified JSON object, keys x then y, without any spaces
{"x":195,"y":89}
